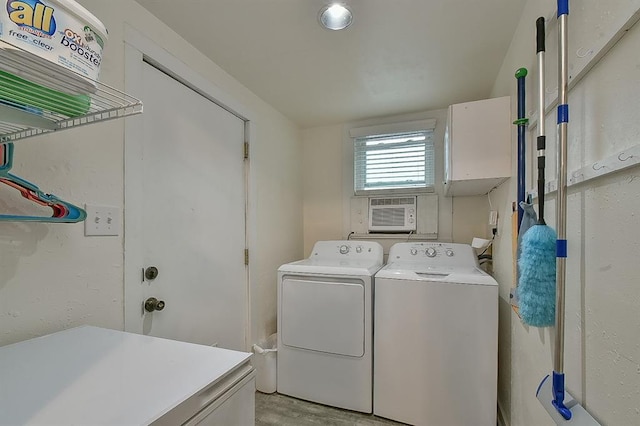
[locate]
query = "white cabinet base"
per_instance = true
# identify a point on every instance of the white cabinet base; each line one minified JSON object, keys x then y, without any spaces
{"x":236,"y":407}
{"x":89,"y":375}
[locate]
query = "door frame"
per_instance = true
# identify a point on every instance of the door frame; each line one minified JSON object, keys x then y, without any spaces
{"x":139,"y":49}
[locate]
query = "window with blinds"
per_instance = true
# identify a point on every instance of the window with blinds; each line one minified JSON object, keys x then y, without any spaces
{"x":396,"y":161}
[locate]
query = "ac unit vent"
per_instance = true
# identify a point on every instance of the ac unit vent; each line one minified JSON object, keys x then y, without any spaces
{"x":388,"y":217}
{"x":393,"y":201}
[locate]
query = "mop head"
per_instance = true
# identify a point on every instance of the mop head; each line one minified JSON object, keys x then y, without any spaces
{"x":537,"y":281}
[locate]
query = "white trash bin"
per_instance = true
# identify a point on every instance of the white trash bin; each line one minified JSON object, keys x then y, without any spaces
{"x":265,"y":362}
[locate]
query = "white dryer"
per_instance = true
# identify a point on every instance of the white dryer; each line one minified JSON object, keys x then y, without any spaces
{"x":436,"y":337}
{"x":325,"y":324}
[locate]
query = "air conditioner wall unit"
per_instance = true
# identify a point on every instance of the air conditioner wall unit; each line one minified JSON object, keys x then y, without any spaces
{"x":392,"y":214}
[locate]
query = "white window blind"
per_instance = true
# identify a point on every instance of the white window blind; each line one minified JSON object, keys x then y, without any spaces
{"x":394,"y":161}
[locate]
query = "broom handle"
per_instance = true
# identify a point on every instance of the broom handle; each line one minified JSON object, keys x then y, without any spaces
{"x":540,"y":50}
{"x":561,"y":220}
{"x":521,"y":122}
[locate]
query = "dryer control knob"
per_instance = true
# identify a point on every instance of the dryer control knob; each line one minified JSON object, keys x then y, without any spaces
{"x":344,"y":249}
{"x":430,"y":252}
{"x":414,"y":252}
{"x":449,"y":252}
{"x":359,"y":249}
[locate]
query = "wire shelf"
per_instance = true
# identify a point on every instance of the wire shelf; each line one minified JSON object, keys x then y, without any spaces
{"x":106,"y":104}
{"x":34,"y":100}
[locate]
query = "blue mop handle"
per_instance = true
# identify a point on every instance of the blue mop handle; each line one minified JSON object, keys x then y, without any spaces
{"x":522,"y":122}
{"x":558,"y":396}
{"x":561,"y":219}
{"x":563,"y":7}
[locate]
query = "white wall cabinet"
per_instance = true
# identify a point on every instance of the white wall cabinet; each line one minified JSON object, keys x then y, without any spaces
{"x":477,"y":146}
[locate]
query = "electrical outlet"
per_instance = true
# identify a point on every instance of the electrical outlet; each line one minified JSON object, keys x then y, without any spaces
{"x":493,"y":218}
{"x":101,"y":220}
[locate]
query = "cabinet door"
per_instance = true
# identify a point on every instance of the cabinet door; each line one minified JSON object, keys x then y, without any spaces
{"x":479,"y":138}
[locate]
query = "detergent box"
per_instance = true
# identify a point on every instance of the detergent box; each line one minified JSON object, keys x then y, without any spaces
{"x":59,"y":31}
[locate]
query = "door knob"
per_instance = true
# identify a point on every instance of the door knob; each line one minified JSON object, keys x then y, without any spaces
{"x":151,"y":273}
{"x":153,"y":304}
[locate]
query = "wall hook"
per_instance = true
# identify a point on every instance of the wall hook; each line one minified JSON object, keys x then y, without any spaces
{"x":597,"y":168}
{"x":624,"y":159}
{"x":576,"y":177}
{"x":582,"y":53}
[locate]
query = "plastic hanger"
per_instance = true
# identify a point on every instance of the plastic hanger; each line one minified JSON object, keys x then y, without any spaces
{"x":6,"y":157}
{"x":63,"y":212}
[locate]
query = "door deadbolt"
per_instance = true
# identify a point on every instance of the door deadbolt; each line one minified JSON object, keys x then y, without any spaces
{"x":153,"y":304}
{"x":151,"y":273}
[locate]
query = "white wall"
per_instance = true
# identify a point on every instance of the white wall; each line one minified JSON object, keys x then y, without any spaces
{"x":54,"y":278}
{"x":323,"y":203}
{"x":328,"y":182}
{"x":602,"y":353}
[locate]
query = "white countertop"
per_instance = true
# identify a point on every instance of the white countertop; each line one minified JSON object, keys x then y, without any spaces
{"x":94,"y":376}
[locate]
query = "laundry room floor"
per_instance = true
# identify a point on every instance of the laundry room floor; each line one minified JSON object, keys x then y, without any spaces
{"x":275,"y":409}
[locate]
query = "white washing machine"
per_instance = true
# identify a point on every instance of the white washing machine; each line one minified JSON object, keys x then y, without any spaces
{"x":325,"y":324}
{"x":436,"y":337}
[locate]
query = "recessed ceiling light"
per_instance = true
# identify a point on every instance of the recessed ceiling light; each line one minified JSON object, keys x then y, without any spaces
{"x":335,"y":16}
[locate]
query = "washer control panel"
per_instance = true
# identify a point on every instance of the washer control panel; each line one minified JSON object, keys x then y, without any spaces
{"x":444,"y":254}
{"x":431,"y":252}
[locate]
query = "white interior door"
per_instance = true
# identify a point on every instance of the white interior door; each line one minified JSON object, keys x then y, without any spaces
{"x":186,"y":208}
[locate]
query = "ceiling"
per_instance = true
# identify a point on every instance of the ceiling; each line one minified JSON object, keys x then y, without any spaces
{"x":398,"y":56}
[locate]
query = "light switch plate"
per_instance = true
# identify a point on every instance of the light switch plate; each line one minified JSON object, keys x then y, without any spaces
{"x":101,"y":220}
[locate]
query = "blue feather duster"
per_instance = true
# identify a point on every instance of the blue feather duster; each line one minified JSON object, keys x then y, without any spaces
{"x":537,"y":277}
